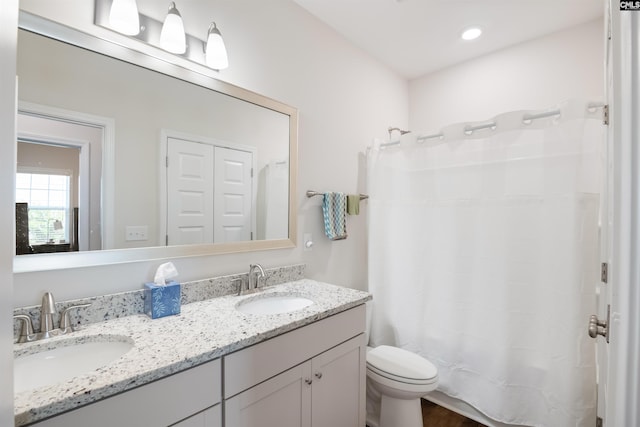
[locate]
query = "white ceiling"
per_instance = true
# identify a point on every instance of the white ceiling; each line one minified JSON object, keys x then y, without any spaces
{"x":416,"y":37}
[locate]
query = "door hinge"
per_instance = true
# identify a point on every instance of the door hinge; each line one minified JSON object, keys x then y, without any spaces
{"x":599,"y":422}
{"x":251,"y":172}
{"x":251,"y":235}
{"x":166,"y":162}
{"x":166,"y":240}
{"x":604,"y":272}
{"x":605,"y":115}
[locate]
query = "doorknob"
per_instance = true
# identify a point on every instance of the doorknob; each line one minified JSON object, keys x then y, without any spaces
{"x":599,"y":327}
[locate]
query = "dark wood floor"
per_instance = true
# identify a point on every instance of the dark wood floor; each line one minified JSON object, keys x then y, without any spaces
{"x":437,"y":416}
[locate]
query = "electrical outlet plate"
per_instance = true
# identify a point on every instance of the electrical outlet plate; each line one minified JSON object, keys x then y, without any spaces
{"x":136,"y":232}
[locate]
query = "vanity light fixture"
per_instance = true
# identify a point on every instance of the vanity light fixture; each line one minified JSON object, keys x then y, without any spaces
{"x":124,"y":17}
{"x":215,"y":50}
{"x":172,"y":36}
{"x":169,"y":35}
{"x":471,"y":33}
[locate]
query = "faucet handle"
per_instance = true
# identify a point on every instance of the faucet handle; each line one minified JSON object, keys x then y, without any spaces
{"x":240,"y":282}
{"x":26,"y":330}
{"x":65,"y":321}
{"x":264,"y":281}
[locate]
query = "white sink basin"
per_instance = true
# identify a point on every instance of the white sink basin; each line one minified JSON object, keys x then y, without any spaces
{"x":273,"y":304}
{"x":69,"y":359}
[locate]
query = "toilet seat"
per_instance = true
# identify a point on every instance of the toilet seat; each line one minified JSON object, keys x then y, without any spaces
{"x":401,"y":365}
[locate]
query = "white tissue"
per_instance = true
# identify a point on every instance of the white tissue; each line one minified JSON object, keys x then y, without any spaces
{"x":165,"y":272}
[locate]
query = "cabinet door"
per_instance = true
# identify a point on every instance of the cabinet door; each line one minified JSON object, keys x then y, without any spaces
{"x":339,"y":378}
{"x":211,"y":417}
{"x":282,"y":401}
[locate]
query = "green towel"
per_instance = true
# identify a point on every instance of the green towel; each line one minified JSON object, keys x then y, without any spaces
{"x":353,"y":204}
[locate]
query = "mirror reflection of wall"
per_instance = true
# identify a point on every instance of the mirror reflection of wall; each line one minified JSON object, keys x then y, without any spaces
{"x":66,"y":77}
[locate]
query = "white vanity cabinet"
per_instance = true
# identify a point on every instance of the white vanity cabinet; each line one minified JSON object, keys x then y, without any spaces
{"x":312,"y":376}
{"x":189,"y":398}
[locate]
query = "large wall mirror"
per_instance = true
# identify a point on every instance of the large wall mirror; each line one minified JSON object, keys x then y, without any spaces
{"x":125,"y":157}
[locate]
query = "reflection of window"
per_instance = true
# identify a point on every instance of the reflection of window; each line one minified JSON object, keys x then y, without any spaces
{"x":48,"y":196}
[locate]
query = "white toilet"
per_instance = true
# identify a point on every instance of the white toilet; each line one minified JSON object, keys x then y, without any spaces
{"x":396,"y":380}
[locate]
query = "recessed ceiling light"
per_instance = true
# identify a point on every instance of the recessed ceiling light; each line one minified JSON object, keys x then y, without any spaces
{"x":471,"y":33}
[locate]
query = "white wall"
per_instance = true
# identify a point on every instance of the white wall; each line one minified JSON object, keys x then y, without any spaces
{"x":344,"y":99}
{"x":8,"y":21}
{"x":533,"y":75}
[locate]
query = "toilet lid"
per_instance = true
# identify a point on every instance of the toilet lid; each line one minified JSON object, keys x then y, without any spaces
{"x":396,"y":363}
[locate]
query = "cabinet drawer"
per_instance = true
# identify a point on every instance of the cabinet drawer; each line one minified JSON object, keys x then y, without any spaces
{"x":160,"y":403}
{"x":262,"y":361}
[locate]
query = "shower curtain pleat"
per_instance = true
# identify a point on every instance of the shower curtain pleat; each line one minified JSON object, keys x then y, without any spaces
{"x":483,"y":258}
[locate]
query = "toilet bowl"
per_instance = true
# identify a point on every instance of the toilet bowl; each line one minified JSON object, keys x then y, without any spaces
{"x":396,"y":380}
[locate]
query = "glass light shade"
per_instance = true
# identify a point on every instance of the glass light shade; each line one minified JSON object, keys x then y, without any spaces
{"x":172,"y":36}
{"x":216,"y":52}
{"x":124,"y":18}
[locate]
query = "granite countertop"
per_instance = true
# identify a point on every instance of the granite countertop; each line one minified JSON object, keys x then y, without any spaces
{"x":204,"y":331}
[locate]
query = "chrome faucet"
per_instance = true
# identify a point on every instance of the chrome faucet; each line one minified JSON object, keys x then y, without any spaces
{"x":254,"y":281}
{"x":47,"y":329}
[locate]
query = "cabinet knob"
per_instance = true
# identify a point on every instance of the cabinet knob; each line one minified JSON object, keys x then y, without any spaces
{"x":318,"y":375}
{"x":308,"y":381}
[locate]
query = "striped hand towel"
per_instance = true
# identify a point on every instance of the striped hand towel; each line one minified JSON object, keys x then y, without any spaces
{"x":334,"y":210}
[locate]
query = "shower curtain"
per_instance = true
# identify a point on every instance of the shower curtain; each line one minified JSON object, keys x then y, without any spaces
{"x":483,"y":258}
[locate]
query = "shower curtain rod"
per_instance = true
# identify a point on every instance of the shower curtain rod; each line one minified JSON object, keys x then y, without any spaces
{"x":468,"y":130}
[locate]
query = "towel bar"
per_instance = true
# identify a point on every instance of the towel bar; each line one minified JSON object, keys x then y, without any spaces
{"x":311,"y":193}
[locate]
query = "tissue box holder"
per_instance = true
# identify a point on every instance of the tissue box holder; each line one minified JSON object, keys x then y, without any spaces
{"x":161,"y":301}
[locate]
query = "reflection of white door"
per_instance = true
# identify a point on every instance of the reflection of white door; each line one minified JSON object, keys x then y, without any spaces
{"x":233,"y":195}
{"x":209,"y":189}
{"x":189,"y":192}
